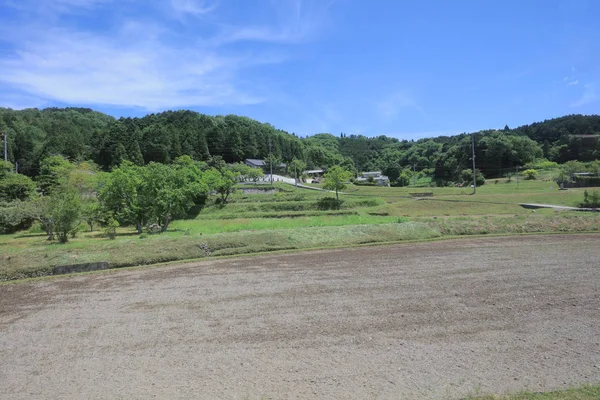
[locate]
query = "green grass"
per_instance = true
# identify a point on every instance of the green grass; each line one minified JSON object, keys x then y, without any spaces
{"x":588,"y":392}
{"x":211,"y":226}
{"x":31,"y":255}
{"x":291,"y":219}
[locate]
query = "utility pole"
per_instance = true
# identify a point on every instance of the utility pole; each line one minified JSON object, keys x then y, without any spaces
{"x":296,"y":174}
{"x":474,"y":171}
{"x":517,"y":177}
{"x":271,"y":161}
{"x":414,"y":175}
{"x":5,"y":147}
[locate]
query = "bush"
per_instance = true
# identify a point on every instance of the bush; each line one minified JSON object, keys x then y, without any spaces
{"x":16,"y":187}
{"x":562,"y":177}
{"x":591,"y":200}
{"x":542,"y":164}
{"x":14,"y":217}
{"x":329,"y":203}
{"x":583,"y":180}
{"x":530,"y":174}
{"x":467,"y":177}
{"x":143,"y":235}
{"x":36,"y":228}
{"x":110,"y":229}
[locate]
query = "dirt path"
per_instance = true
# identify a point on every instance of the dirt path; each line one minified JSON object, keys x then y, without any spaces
{"x":431,"y":320}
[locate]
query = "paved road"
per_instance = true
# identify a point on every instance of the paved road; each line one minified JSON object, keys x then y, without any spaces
{"x":432,"y":320}
{"x":563,"y":208}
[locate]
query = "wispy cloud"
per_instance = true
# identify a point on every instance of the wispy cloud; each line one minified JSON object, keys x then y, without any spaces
{"x":83,"y":69}
{"x":194,"y":7}
{"x":570,"y":81}
{"x":393,"y":105}
{"x":588,"y":96}
{"x":297,"y":21}
{"x":143,"y":61}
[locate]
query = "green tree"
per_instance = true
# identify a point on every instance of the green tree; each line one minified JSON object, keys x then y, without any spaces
{"x":335,"y":179}
{"x":65,"y":211}
{"x":16,"y":187}
{"x":254,"y":174}
{"x":54,"y":171}
{"x":174,"y":188}
{"x":467,"y":177}
{"x":14,"y":216}
{"x":223,"y":182}
{"x":6,"y":167}
{"x":297,"y":167}
{"x":272,"y":163}
{"x":530,"y":174}
{"x":91,"y":212}
{"x":123,"y":195}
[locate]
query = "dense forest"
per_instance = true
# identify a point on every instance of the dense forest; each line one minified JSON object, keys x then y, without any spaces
{"x":82,"y":134}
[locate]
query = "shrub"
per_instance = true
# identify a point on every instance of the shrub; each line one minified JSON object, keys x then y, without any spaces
{"x":110,"y":229}
{"x":467,"y":177}
{"x":591,"y":200}
{"x":16,"y":187}
{"x":583,"y":180}
{"x":143,"y":235}
{"x":329,"y":203}
{"x":530,"y":174}
{"x":542,"y":164}
{"x":36,"y":228}
{"x":561,"y":177}
{"x":14,"y":217}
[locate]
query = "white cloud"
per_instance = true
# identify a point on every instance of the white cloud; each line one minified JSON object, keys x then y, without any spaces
{"x":589,"y":96}
{"x":194,"y":7}
{"x":394,"y":104}
{"x":142,"y":61}
{"x":297,"y":21}
{"x":570,"y":81}
{"x":87,"y":69}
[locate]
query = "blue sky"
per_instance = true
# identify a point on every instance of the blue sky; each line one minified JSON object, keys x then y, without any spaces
{"x":407,"y":69}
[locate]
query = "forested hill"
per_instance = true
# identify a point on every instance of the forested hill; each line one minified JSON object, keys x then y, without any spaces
{"x":84,"y":134}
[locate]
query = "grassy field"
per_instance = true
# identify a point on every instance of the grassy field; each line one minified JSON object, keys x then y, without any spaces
{"x":588,"y":392}
{"x":31,"y":255}
{"x":303,"y":219}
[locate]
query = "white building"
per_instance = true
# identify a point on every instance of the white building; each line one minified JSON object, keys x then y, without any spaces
{"x":377,"y":178}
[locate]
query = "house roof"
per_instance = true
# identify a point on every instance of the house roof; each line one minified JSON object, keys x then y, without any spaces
{"x":258,"y":163}
{"x":261,"y":163}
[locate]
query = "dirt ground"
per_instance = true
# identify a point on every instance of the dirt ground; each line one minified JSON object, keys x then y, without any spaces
{"x":433,"y":320}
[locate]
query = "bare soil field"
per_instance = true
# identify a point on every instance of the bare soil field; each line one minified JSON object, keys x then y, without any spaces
{"x":433,"y":320}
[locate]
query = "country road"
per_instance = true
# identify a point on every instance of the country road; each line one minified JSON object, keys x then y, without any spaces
{"x":433,"y":320}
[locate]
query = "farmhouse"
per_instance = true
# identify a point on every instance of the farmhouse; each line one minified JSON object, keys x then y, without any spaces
{"x":262,"y":164}
{"x":376,"y":176}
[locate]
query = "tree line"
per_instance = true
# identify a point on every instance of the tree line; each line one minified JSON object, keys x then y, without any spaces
{"x":67,"y":194}
{"x":81,"y":134}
